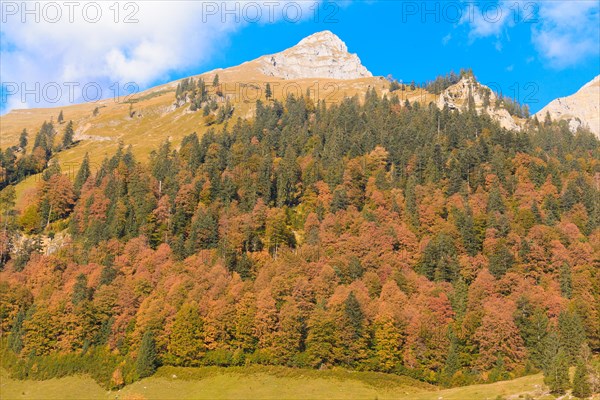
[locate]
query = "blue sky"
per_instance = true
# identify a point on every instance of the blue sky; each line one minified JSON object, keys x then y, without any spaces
{"x":534,"y":51}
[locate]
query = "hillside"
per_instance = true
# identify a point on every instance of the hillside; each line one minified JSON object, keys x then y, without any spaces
{"x":369,"y":234}
{"x":156,"y":119}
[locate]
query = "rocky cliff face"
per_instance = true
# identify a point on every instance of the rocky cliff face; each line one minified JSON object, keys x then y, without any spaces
{"x":484,"y":99}
{"x":581,"y":109}
{"x":321,"y":55}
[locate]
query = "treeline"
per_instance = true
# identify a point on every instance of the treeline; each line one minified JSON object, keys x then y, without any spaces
{"x":367,"y":235}
{"x":198,"y":95}
{"x":16,"y":163}
{"x":443,"y":82}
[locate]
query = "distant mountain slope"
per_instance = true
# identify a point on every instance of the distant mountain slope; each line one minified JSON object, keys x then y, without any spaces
{"x":580,"y":109}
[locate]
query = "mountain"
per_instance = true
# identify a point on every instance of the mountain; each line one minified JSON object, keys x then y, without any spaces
{"x":321,"y":55}
{"x":215,"y":225}
{"x":484,"y":99}
{"x":580,"y":109}
{"x":319,"y":65}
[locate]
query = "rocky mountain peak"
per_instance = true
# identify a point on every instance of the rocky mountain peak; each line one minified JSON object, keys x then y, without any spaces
{"x":320,"y":55}
{"x":324,"y":39}
{"x":581,"y":109}
{"x":484,"y":99}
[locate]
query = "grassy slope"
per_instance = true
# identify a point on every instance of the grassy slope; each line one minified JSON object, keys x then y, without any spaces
{"x":155,"y":120}
{"x":263,"y":383}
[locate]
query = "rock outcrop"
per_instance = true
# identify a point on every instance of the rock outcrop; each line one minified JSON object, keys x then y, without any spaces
{"x":321,"y":55}
{"x":484,"y":99}
{"x":581,"y":109}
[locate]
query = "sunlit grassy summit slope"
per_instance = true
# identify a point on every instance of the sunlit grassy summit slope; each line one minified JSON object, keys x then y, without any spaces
{"x":146,"y":119}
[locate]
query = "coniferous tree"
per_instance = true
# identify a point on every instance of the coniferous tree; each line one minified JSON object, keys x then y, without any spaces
{"x":453,"y":362}
{"x":83,"y":174}
{"x":354,"y":314}
{"x":264,"y":180}
{"x":287,"y":179}
{"x":204,"y":233}
{"x":533,"y":326}
{"x":472,"y":236}
{"x":81,"y":292}
{"x":60,"y":118}
{"x":107,"y":275}
{"x":556,"y":377}
{"x":581,"y":381}
{"x":501,"y":260}
{"x":571,"y":333}
{"x":15,"y":340}
{"x":23,"y":139}
{"x":536,"y":213}
{"x":340,"y":200}
{"x":68,"y":136}
{"x":550,"y":205}
{"x":411,"y":202}
{"x":564,"y":278}
{"x":439,"y":259}
{"x":495,"y":201}
{"x":268,"y":92}
{"x":146,"y":360}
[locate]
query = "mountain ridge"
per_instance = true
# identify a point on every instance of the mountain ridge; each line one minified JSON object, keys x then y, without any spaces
{"x":581,"y":109}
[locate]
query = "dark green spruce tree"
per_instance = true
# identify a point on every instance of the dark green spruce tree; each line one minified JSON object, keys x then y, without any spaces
{"x":557,"y":375}
{"x":15,"y":338}
{"x":145,"y":364}
{"x":68,"y":136}
{"x":83,"y":174}
{"x":581,"y":381}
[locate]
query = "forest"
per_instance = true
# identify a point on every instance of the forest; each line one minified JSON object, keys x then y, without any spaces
{"x":372,"y":234}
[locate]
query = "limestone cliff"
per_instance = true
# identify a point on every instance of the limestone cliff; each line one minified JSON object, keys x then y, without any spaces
{"x":321,"y":55}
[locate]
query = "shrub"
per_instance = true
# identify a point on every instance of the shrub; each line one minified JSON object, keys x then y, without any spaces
{"x":219,"y":358}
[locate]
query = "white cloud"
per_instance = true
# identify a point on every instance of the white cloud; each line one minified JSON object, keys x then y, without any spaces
{"x":568,"y":32}
{"x":563,"y":32}
{"x":485,"y":20}
{"x":446,"y":39}
{"x":169,"y":36}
